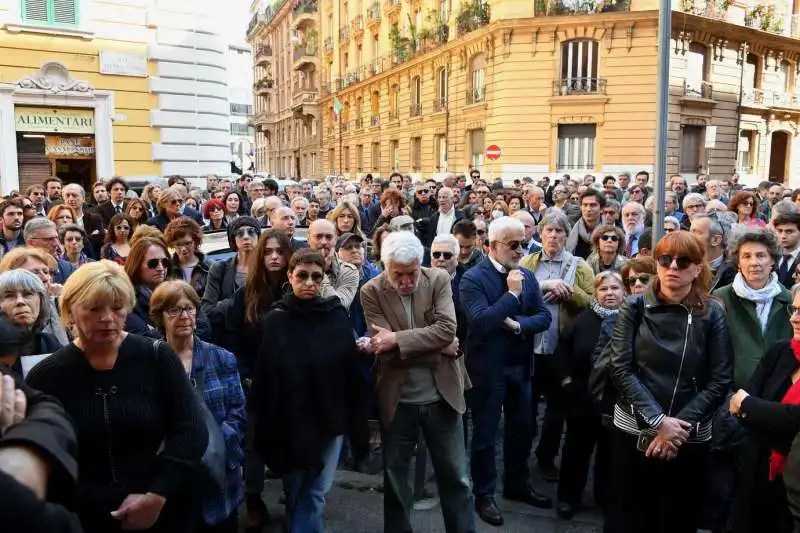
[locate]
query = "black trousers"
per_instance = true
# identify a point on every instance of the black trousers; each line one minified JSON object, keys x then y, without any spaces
{"x":546,"y":383}
{"x":653,"y":495}
{"x":585,"y":432}
{"x":229,"y":525}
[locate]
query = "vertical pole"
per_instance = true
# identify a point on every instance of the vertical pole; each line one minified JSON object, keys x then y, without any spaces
{"x":340,"y":145}
{"x":662,"y":116}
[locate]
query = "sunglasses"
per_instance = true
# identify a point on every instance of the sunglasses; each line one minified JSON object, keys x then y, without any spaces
{"x":612,"y":238}
{"x":438,"y":255}
{"x":152,"y":264}
{"x":681,"y":261}
{"x":246,"y":232}
{"x":481,"y":231}
{"x":423,"y":191}
{"x":512,"y":245}
{"x":176,"y":202}
{"x":644,"y":279}
{"x":304,"y":276}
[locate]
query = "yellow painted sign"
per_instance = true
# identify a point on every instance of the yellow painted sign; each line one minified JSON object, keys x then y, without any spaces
{"x":54,"y":120}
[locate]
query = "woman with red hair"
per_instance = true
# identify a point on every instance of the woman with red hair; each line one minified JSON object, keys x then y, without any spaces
{"x":744,"y":204}
{"x":671,"y":361}
{"x":214,"y":212}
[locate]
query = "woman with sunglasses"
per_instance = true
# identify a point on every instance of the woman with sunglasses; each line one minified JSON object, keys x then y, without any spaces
{"x":769,"y":408}
{"x":306,"y":395}
{"x":670,"y":360}
{"x":117,"y":246}
{"x":214,"y":213}
{"x":137,"y":211}
{"x":584,"y":427}
{"x":745,"y":205}
{"x":608,"y":249}
{"x":148,"y":266}
{"x":225,"y":277}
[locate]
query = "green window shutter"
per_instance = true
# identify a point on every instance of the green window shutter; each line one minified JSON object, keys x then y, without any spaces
{"x":35,"y":11}
{"x":65,"y":12}
{"x":51,"y":12}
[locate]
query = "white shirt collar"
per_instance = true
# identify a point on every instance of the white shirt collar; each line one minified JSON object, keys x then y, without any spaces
{"x":500,"y":268}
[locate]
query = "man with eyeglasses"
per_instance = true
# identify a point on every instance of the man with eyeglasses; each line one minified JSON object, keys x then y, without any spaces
{"x":92,"y":224}
{"x":504,"y":310}
{"x":693,"y":204}
{"x":531,"y":243}
{"x":445,"y":254}
{"x":41,"y":233}
{"x":567,"y":284}
{"x":423,"y":207}
{"x":711,"y":232}
{"x":12,"y":214}
{"x":341,"y":279}
{"x":36,"y":194}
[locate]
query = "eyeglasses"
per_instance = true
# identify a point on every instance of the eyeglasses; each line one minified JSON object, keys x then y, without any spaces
{"x":694,"y":206}
{"x":175,"y":312}
{"x":423,"y":191}
{"x":302,"y":275}
{"x":27,"y":206}
{"x":241,"y":233}
{"x":644,"y":279}
{"x":513,"y":245}
{"x":612,"y":238}
{"x":176,"y":201}
{"x":438,"y":255}
{"x":750,"y":203}
{"x":77,"y":238}
{"x":681,"y":261}
{"x":152,"y":264}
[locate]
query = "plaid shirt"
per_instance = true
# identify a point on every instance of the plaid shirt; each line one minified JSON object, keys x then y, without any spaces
{"x":224,"y":397}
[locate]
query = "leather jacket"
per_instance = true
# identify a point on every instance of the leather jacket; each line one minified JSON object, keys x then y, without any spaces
{"x":668,"y":361}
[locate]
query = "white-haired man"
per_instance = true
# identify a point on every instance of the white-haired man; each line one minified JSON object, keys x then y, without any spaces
{"x":409,"y":309}
{"x":341,"y":279}
{"x":505,"y":310}
{"x":74,"y":197}
{"x":633,"y":215}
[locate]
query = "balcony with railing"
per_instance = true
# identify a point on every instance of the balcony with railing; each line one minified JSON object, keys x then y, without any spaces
{"x":344,"y":34}
{"x":476,"y":95}
{"x":374,"y":16}
{"x":305,"y":56}
{"x":263,"y":54}
{"x":712,"y":9}
{"x":753,"y":98}
{"x":264,"y":86}
{"x":305,"y":102}
{"x":344,"y":126}
{"x":472,"y":16}
{"x":374,"y":121}
{"x":698,"y":90}
{"x":394,"y":115}
{"x":415,"y":110}
{"x":578,"y":86}
{"x":253,"y":23}
{"x":391,"y":8}
{"x":328,"y":44}
{"x":439,"y":105}
{"x":357,"y":26}
{"x":358,"y":123}
{"x":304,"y":14}
{"x":354,"y":76}
{"x":556,"y":8}
{"x":767,"y":17}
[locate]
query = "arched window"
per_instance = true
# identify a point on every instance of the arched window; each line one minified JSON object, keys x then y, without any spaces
{"x":416,"y":96}
{"x":579,"y":67}
{"x":477,"y":68}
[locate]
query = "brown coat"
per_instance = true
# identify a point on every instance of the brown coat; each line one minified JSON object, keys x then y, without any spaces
{"x":435,"y":317}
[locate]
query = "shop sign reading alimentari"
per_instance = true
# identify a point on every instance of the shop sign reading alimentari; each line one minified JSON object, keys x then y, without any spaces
{"x":54,"y":120}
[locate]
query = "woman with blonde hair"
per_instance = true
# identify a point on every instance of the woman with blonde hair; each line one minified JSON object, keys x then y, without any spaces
{"x":346,"y":219}
{"x":150,"y":195}
{"x":170,"y":205}
{"x":137,"y":211}
{"x":140,"y":434}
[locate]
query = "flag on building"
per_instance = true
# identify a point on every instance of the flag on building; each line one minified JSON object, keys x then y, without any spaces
{"x":337,"y":105}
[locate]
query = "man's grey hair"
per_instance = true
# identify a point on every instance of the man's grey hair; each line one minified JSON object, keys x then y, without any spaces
{"x":78,"y":186}
{"x":555,"y":217}
{"x":672,"y":220}
{"x":22,"y":280}
{"x":639,"y":208}
{"x":302,"y":199}
{"x":34,"y":225}
{"x":672,"y":195}
{"x":501,"y":225}
{"x":784,"y":207}
{"x":693,"y":197}
{"x":716,"y":226}
{"x":754,"y":235}
{"x":449,"y":240}
{"x":401,"y":247}
{"x":527,"y":189}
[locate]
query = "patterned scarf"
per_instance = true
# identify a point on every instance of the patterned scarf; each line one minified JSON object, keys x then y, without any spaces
{"x":603,"y":312}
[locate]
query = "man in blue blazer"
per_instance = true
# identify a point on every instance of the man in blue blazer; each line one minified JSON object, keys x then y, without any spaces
{"x":504,"y":310}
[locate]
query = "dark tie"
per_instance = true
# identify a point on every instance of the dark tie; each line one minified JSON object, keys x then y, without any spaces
{"x":118,"y":209}
{"x":629,"y":246}
{"x":783,"y":270}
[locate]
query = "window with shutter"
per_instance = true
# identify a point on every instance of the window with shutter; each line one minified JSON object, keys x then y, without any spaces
{"x":50,"y":12}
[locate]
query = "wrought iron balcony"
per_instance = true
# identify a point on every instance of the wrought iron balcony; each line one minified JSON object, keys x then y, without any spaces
{"x":344,"y":33}
{"x":575,"y":86}
{"x":698,"y":89}
{"x":554,"y":8}
{"x":394,"y":115}
{"x":374,"y":13}
{"x":439,"y":105}
{"x":415,"y":110}
{"x":476,"y":95}
{"x":359,"y":123}
{"x":753,"y":97}
{"x":375,"y":121}
{"x":329,"y":44}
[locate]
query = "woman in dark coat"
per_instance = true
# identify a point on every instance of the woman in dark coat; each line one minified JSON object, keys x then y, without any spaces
{"x":307,"y":394}
{"x":770,"y":410}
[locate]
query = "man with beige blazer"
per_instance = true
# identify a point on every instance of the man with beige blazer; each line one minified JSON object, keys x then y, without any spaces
{"x":410,"y":313}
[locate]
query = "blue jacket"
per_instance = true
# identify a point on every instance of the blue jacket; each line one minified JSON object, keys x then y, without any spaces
{"x":486,"y":302}
{"x":63,"y":271}
{"x":367,"y":272}
{"x":224,"y":397}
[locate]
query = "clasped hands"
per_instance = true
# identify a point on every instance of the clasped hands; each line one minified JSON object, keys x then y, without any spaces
{"x":671,"y":435}
{"x":556,"y":290}
{"x":384,"y":340}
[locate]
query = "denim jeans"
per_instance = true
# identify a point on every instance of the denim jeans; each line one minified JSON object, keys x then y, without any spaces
{"x":442,"y":428}
{"x":305,"y":492}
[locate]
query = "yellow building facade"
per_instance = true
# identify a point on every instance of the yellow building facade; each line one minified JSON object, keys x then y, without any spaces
{"x":93,"y":89}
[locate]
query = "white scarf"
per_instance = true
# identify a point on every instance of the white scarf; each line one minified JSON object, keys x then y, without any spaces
{"x":761,"y":297}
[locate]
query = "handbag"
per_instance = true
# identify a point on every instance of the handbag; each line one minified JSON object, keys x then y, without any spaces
{"x":213,"y":462}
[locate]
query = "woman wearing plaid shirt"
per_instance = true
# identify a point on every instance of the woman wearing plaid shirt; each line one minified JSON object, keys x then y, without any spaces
{"x":173,"y":308}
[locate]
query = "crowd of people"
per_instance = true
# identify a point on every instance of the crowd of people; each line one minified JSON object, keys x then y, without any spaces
{"x":148,"y":387}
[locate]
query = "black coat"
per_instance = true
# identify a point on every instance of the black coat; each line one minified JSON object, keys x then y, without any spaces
{"x":95,"y":233}
{"x":647,"y":380}
{"x":305,"y":392}
{"x":762,"y":504}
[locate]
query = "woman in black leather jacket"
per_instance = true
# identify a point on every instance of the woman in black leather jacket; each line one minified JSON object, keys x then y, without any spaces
{"x":671,"y":363}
